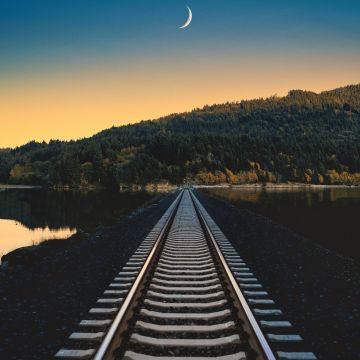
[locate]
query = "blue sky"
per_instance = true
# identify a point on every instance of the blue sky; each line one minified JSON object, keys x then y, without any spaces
{"x":70,"y":68}
{"x":59,"y":31}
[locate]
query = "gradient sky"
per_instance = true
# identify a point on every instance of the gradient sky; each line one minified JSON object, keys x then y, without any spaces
{"x":70,"y":68}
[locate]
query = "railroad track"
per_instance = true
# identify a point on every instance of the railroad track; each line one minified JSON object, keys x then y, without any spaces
{"x":185,"y":294}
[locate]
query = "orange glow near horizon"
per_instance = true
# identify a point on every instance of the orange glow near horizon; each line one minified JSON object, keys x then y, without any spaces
{"x":78,"y":103}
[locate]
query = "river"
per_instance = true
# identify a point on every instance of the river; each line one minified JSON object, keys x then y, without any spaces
{"x":328,"y":216}
{"x":30,"y":216}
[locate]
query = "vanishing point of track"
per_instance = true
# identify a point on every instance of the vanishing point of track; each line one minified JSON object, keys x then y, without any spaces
{"x":185,"y":294}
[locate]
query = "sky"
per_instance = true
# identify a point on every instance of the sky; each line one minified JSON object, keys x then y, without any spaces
{"x":71,"y":68}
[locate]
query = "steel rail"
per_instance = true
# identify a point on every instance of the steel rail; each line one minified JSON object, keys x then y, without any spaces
{"x":260,"y":338}
{"x":106,"y":344}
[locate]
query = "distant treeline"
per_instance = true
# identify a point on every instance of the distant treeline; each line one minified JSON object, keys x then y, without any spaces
{"x":302,"y":137}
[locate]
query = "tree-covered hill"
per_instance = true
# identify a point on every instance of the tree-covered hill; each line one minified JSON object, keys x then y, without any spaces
{"x":302,"y":137}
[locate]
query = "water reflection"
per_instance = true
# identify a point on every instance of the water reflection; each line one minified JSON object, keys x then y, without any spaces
{"x":328,"y":216}
{"x":14,"y":235}
{"x":31,"y":216}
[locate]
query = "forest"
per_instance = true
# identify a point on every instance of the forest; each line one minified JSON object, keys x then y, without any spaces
{"x":302,"y":137}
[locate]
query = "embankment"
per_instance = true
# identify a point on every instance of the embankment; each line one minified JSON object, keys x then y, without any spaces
{"x":43,"y":296}
{"x":317,"y":290}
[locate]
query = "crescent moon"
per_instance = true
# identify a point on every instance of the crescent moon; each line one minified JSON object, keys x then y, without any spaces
{"x":188,"y":20}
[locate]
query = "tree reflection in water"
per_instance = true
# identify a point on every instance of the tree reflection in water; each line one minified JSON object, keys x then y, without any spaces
{"x":31,"y":216}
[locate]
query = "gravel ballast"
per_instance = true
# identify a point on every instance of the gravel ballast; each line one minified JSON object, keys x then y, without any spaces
{"x":42,"y":302}
{"x":318,"y":290}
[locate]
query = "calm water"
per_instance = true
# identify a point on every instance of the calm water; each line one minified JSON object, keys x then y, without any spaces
{"x":330,"y":217}
{"x":30,"y":216}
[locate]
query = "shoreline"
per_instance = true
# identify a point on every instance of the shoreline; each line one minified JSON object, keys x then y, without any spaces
{"x":170,"y":188}
{"x":159,"y":188}
{"x":259,"y":186}
{"x":9,"y":187}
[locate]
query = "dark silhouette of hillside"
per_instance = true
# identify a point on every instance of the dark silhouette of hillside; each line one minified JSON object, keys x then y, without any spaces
{"x":302,"y":137}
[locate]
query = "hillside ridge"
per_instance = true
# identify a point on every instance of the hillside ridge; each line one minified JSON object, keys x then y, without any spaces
{"x":301,"y":137}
